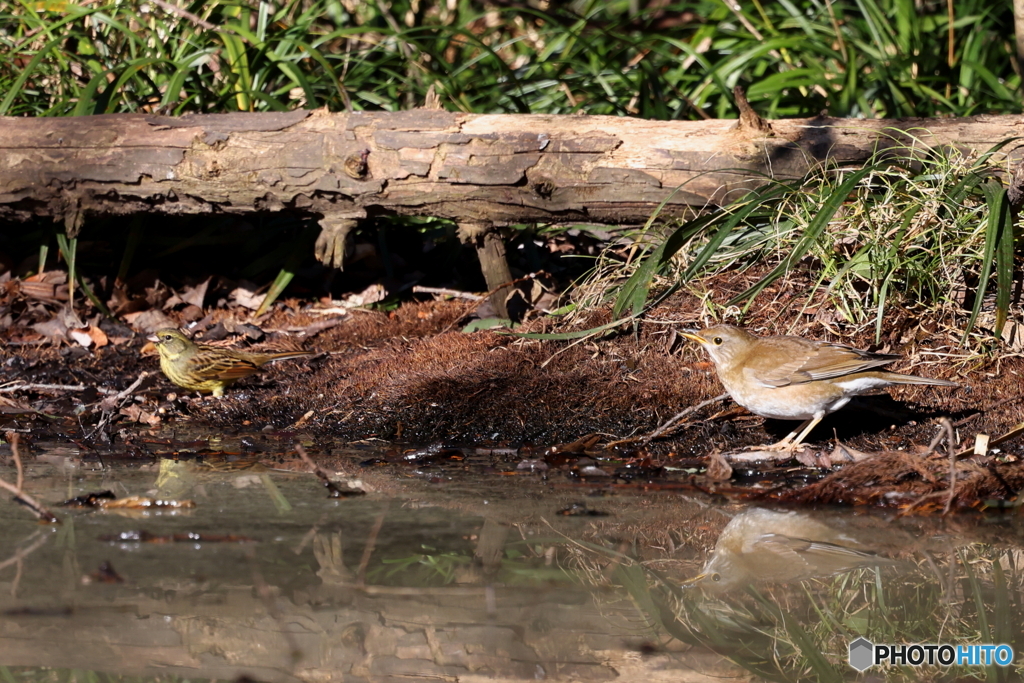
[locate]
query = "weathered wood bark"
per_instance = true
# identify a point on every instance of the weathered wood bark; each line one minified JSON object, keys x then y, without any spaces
{"x":470,"y":168}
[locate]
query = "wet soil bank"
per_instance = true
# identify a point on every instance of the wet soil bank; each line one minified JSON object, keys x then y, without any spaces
{"x":412,"y":377}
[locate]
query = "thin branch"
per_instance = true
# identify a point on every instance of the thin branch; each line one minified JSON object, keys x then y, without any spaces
{"x":20,"y":496}
{"x":951,"y":450}
{"x":667,"y":425}
{"x":113,"y":403}
{"x":444,"y":291}
{"x":51,"y":387}
{"x":332,"y":489}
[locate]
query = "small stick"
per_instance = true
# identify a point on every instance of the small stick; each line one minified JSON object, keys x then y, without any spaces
{"x":947,"y":426}
{"x":444,"y":291}
{"x":51,"y":387}
{"x":332,"y":489}
{"x":673,"y":420}
{"x":111,"y":402}
{"x":20,"y":496}
{"x":513,"y":283}
{"x":371,"y":543}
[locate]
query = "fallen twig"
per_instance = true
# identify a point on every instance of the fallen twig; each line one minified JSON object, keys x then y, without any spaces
{"x":111,"y":404}
{"x":332,"y":489}
{"x":20,"y":496}
{"x":26,"y":386}
{"x":646,"y":438}
{"x":488,"y":295}
{"x":992,"y":406}
{"x":951,"y":450}
{"x":444,"y":291}
{"x":945,"y":431}
{"x":1016,"y":431}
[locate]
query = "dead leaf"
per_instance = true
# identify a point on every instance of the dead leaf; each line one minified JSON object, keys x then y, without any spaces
{"x":136,"y":414}
{"x":81,"y":336}
{"x":718,"y":469}
{"x":53,"y":328}
{"x":189,"y":295}
{"x":149,"y":321}
{"x":48,"y":286}
{"x":844,"y":454}
{"x":246,"y":295}
{"x":813,"y":458}
{"x":370,"y":295}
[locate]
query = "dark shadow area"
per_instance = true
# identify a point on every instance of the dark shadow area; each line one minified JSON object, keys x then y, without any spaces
{"x":867,"y":416}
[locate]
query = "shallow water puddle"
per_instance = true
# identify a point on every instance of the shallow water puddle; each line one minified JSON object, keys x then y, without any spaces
{"x":461,"y":574}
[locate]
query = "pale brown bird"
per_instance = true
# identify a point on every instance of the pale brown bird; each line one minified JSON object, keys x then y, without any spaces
{"x":790,"y":378}
{"x":761,"y":545}
{"x":204,"y":368}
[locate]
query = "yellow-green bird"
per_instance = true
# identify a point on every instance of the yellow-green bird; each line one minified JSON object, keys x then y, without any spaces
{"x":204,"y":368}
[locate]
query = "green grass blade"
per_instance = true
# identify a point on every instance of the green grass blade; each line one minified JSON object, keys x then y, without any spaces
{"x":15,"y":88}
{"x":635,"y":291}
{"x":1004,"y":264}
{"x":68,"y":248}
{"x":280,"y":283}
{"x":998,"y":215}
{"x":814,"y":230}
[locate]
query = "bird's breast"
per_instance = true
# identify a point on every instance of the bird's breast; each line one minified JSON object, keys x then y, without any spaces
{"x":791,"y":402}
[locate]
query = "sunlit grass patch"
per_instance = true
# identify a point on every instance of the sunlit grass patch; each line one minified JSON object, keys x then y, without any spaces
{"x":934,"y":235}
{"x":871,"y":58}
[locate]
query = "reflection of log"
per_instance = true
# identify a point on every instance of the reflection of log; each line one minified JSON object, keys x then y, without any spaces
{"x":222,"y":630}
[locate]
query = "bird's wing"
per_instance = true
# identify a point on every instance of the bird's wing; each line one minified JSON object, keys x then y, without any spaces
{"x":809,"y":363}
{"x":222,"y":367}
{"x":822,"y":555}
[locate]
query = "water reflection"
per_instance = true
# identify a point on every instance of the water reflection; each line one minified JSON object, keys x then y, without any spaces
{"x":779,"y":547}
{"x":450,"y":579}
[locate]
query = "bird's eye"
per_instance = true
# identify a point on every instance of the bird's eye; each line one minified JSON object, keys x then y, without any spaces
{"x":717,"y":341}
{"x":716,"y":577}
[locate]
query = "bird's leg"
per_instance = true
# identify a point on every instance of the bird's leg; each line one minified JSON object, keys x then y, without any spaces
{"x":796,"y":437}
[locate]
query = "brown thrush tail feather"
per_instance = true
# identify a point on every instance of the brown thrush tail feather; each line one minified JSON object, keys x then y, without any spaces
{"x":897,"y":378}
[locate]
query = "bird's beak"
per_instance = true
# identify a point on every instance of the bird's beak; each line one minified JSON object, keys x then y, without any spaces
{"x":693,"y":336}
{"x":700,"y":578}
{"x":153,"y":338}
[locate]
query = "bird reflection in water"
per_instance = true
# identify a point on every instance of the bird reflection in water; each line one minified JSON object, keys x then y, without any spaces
{"x":761,"y":545}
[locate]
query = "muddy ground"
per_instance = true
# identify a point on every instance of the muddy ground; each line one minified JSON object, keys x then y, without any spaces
{"x":411,"y":377}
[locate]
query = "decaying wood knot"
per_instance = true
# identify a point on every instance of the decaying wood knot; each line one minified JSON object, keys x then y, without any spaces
{"x":355,"y":165}
{"x":749,"y":121}
{"x":544,"y":187}
{"x":213,"y":169}
{"x":215,"y":140}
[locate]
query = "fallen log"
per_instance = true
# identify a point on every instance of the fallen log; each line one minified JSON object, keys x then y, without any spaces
{"x":480,"y":171}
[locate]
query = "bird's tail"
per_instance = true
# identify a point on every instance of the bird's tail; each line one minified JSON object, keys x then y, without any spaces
{"x":897,"y":378}
{"x":285,"y":355}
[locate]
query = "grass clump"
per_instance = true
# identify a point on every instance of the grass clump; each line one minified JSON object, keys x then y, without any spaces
{"x":873,"y":58}
{"x":930,"y":234}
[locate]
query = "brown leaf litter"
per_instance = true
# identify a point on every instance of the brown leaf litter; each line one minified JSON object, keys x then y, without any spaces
{"x":411,"y":375}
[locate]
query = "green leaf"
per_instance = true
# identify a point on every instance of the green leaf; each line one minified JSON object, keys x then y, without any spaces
{"x":814,"y":230}
{"x":998,"y":222}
